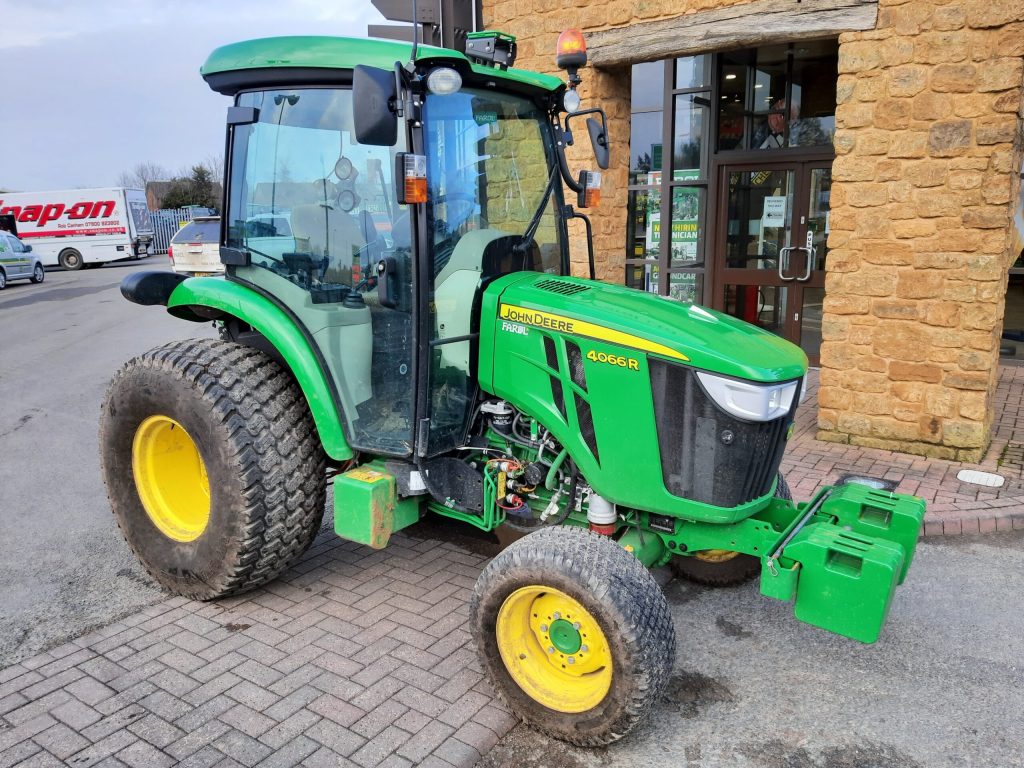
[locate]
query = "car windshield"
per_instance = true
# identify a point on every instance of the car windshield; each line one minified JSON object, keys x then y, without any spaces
{"x":198,"y":232}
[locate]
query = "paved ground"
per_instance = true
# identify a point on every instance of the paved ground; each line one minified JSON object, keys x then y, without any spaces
{"x":361,"y":658}
{"x":63,"y":565}
{"x":944,"y":687}
{"x":954,"y":507}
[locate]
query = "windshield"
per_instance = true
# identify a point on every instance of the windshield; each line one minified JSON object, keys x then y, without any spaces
{"x":489,"y":159}
{"x":198,"y":232}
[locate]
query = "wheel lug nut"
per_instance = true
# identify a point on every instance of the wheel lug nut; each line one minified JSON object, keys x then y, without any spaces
{"x":543,"y":627}
{"x":571,"y":660}
{"x":558,"y":615}
{"x":583,"y":649}
{"x":576,"y":625}
{"x":551,"y":649}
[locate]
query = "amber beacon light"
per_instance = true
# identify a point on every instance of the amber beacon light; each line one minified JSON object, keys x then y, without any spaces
{"x":571,"y":54}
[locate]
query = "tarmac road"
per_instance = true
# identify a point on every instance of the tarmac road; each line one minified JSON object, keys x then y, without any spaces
{"x":754,"y":688}
{"x":63,"y":564}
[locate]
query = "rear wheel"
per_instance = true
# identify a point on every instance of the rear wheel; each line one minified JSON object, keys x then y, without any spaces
{"x":3,"y":279}
{"x":38,"y":274}
{"x":70,"y":259}
{"x":575,"y":634}
{"x":722,"y":567}
{"x":212,"y":465}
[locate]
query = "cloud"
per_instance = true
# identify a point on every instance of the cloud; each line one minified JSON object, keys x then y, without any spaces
{"x":101,"y":90}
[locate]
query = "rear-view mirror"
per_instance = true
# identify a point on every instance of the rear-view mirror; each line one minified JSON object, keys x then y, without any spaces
{"x":373,"y":98}
{"x":599,"y":141}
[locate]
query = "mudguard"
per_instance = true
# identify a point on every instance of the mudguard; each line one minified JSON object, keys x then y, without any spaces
{"x":194,"y":299}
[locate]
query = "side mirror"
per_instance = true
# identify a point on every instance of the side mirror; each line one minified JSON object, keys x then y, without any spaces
{"x":28,"y":249}
{"x":599,"y":141}
{"x":374,"y":93}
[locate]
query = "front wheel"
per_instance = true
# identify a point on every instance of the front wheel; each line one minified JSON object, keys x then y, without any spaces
{"x":3,"y":279}
{"x":574,"y":633}
{"x":723,"y":567}
{"x":213,"y":466}
{"x":38,"y":274}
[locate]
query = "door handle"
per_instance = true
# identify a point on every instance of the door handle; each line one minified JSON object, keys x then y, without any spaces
{"x":812,"y":254}
{"x":784,"y":262}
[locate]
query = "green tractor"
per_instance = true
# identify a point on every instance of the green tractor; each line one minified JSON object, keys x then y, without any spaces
{"x":398,"y":317}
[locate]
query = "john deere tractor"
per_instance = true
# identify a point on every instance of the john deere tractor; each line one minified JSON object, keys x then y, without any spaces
{"x":398,"y":317}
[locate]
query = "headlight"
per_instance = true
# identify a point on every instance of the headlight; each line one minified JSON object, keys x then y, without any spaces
{"x":444,"y":81}
{"x":747,"y":400}
{"x":571,"y":100}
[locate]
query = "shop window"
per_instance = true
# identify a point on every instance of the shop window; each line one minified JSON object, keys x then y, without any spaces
{"x":669,"y":184}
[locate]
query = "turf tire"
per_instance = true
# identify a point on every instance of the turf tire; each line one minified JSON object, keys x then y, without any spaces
{"x":263,"y":458}
{"x":727,"y":573}
{"x":618,"y":591}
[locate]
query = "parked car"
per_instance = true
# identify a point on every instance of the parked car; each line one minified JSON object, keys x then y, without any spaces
{"x":17,"y":262}
{"x":195,"y":248}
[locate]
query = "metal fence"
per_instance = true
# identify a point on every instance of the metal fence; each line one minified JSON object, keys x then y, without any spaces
{"x":167,"y":221}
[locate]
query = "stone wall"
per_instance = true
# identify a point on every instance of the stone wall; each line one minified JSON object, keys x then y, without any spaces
{"x":927,"y":146}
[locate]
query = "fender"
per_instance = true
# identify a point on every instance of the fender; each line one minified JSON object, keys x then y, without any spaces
{"x":192,"y":300}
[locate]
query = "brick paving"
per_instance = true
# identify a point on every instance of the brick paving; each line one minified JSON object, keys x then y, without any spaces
{"x":954,"y":507}
{"x":361,"y":658}
{"x":353,"y":658}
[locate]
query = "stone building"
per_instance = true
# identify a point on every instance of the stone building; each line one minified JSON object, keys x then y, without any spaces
{"x":841,"y":172}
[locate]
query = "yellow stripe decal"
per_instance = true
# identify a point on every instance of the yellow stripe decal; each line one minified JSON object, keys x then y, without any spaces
{"x":564,"y":324}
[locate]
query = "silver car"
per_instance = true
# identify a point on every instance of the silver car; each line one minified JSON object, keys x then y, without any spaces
{"x":17,"y":262}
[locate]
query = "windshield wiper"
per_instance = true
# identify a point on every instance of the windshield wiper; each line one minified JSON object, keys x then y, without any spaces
{"x":523,"y":246}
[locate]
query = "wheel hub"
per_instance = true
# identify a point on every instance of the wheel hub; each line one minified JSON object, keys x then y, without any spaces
{"x":554,"y":649}
{"x":170,"y":477}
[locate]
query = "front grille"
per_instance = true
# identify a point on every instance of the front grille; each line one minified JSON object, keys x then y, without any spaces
{"x":708,"y":455}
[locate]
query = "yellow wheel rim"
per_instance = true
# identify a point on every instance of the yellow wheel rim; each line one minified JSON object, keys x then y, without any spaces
{"x":715,"y":555}
{"x":171,"y":478}
{"x":554,"y":649}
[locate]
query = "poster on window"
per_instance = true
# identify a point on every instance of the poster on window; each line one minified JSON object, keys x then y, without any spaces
{"x":685,"y":219}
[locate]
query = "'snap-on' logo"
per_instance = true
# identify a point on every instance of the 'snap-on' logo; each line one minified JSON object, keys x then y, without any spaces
{"x":42,"y":215}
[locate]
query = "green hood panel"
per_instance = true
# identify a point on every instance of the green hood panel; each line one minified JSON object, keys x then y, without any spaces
{"x":281,"y":331}
{"x":578,"y":356}
{"x":344,"y":53}
{"x":686,"y":333}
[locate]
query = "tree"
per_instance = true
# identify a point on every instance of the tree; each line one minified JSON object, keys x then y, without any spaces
{"x":142,"y":174}
{"x":195,"y":189}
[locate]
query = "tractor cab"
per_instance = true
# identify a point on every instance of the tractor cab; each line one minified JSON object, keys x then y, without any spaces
{"x":371,"y":196}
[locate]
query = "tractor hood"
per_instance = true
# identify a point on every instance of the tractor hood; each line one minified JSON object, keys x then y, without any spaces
{"x":685,"y":333}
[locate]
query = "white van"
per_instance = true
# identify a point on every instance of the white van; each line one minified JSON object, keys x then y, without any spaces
{"x":82,"y":227}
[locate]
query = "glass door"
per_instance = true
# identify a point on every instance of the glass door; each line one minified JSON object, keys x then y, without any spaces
{"x":773,"y":229}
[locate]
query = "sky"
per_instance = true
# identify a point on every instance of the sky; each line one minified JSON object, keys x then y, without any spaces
{"x":92,"y":89}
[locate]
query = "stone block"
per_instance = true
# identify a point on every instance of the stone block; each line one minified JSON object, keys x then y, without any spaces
{"x":866,"y":195}
{"x":941,"y":402}
{"x":987,"y":217}
{"x":1001,"y":129}
{"x":972,"y":105}
{"x":967,"y":380}
{"x":954,"y":78}
{"x":907,"y":80}
{"x":991,"y":13}
{"x":941,"y":47}
{"x":964,"y":434}
{"x":846,"y":305}
{"x":973,"y":405}
{"x":965,"y":179}
{"x":908,"y":144}
{"x":927,"y":173}
{"x":949,"y":17}
{"x":949,"y":137}
{"x":1000,"y":74}
{"x":945,"y":314}
{"x":850,"y":168}
{"x":902,"y":341}
{"x":859,"y":57}
{"x":893,"y":114}
{"x":866,"y":282}
{"x":929,"y":428}
{"x":919,"y":285}
{"x":895,"y":309}
{"x":913,"y":228}
{"x":931,"y":203}
{"x":925,"y":372}
{"x":908,"y":391}
{"x":888,"y":252}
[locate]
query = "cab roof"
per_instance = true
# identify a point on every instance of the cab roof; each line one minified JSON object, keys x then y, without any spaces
{"x":280,"y":60}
